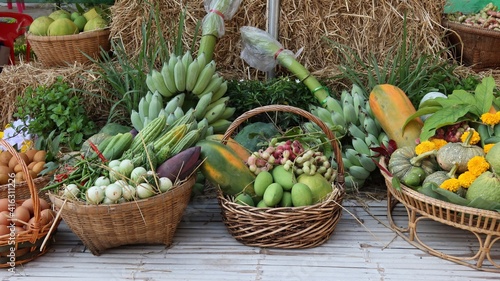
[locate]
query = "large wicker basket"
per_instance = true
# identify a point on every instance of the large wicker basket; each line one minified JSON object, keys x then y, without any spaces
{"x":475,"y":47}
{"x":148,"y":221}
{"x":483,"y":224}
{"x":285,"y":227}
{"x":34,"y":242}
{"x":68,"y":49}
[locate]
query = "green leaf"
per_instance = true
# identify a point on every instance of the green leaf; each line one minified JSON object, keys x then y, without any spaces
{"x":446,"y":116}
{"x":484,"y":204}
{"x":484,"y":95}
{"x":420,"y":112}
{"x":451,"y":196}
{"x":396,"y":184}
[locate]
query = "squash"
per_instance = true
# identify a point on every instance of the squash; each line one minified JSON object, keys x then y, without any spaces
{"x":403,"y":164}
{"x":392,"y":107}
{"x":486,"y":187}
{"x":458,"y":153}
{"x":239,"y":149}
{"x":222,"y":167}
{"x":440,"y":176}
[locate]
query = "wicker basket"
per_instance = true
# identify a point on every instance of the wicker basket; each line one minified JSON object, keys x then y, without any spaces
{"x":148,"y":221}
{"x":22,"y":189}
{"x":28,"y":244}
{"x":68,"y":49}
{"x":475,"y":47}
{"x":484,"y":224}
{"x":285,"y":227}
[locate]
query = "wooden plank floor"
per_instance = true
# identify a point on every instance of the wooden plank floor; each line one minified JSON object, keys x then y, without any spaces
{"x":362,"y":247}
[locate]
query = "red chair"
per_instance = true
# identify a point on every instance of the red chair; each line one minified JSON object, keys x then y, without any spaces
{"x":20,"y":5}
{"x":10,"y":31}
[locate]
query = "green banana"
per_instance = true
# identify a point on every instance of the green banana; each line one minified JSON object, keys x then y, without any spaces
{"x":353,"y":156}
{"x":367,"y":163}
{"x":193,"y":71}
{"x":338,"y":119}
{"x":202,"y":60}
{"x":223,"y":100}
{"x":149,"y":82}
{"x":143,"y":108}
{"x":136,"y":120}
{"x":361,"y":146}
{"x":213,"y":85}
{"x":371,"y":141}
{"x":359,"y":172}
{"x":178,"y":113}
{"x":324,"y":115}
{"x":333,"y":105}
{"x":220,"y":92}
{"x":155,"y":106}
{"x":172,"y":104}
{"x":201,"y":107}
{"x":214,"y":113}
{"x":228,"y":113}
{"x":350,"y":114}
{"x":160,"y":84}
{"x":355,"y":131}
{"x":346,"y":98}
{"x":180,"y":76}
{"x":220,"y":126}
{"x":204,"y":78}
{"x":370,"y":126}
{"x":172,"y":61}
{"x":168,"y":78}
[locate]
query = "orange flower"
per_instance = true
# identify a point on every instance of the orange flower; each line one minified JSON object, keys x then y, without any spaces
{"x":466,"y":179}
{"x":451,"y":184}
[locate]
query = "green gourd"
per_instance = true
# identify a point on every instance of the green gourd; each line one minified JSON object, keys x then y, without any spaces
{"x":409,"y":168}
{"x":458,"y":153}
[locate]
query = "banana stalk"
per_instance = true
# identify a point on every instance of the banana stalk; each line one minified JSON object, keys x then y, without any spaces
{"x":261,"y":51}
{"x":213,"y":23}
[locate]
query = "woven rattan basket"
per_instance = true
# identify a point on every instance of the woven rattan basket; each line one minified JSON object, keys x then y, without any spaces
{"x":285,"y":227}
{"x":22,"y":247}
{"x":475,"y":47}
{"x":147,"y":221}
{"x":22,"y":190}
{"x":68,"y":49}
{"x":484,"y":224}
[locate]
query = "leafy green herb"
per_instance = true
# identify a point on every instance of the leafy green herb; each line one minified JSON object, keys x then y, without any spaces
{"x":55,"y":115}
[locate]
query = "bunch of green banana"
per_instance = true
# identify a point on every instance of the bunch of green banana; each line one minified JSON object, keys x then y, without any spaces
{"x":360,"y":132}
{"x":202,"y":86}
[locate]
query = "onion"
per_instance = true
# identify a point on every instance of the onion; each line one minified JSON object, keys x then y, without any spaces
{"x":145,"y":190}
{"x":114,"y":163}
{"x":137,"y":174}
{"x":126,"y":167}
{"x":113,"y":192}
{"x":108,"y":201}
{"x":128,"y":192}
{"x":71,"y":191}
{"x":94,"y":195}
{"x":165,"y":184}
{"x":102,"y":181}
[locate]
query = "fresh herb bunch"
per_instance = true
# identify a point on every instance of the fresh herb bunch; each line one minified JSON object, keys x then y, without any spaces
{"x":248,"y":94}
{"x":54,"y":114}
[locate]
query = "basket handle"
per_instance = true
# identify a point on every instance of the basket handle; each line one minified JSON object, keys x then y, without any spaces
{"x":286,"y":108}
{"x":36,"y":227}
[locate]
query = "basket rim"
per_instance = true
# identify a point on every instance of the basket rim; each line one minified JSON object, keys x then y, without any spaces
{"x":81,"y":35}
{"x":456,"y":26}
{"x":436,"y":202}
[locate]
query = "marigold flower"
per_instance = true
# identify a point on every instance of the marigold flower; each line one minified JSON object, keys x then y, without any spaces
{"x":452,"y":184}
{"x":477,"y":165}
{"x":473,"y":140}
{"x":487,"y":147}
{"x":439,"y":143}
{"x":490,"y":118}
{"x":466,"y":179}
{"x":424,"y":146}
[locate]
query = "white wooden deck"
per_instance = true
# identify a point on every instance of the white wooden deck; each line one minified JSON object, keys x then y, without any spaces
{"x":204,"y":250}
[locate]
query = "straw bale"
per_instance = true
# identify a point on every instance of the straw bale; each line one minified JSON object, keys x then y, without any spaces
{"x":366,"y":26}
{"x":15,"y":79}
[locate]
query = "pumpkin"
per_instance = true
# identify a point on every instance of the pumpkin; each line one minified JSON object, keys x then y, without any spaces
{"x":486,"y":186}
{"x":392,"y":107}
{"x":403,"y":162}
{"x":223,"y":168}
{"x":458,"y":153}
{"x":439,"y":177}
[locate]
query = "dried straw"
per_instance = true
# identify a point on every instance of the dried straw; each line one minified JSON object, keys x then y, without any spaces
{"x":15,"y":79}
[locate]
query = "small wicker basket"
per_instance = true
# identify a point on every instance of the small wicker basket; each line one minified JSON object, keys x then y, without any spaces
{"x":474,"y":46}
{"x":148,"y":221}
{"x":27,"y":244}
{"x":285,"y":227}
{"x":22,"y":189}
{"x":68,"y":49}
{"x":484,"y":224}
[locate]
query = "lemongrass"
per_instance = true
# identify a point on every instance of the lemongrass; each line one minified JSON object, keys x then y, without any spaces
{"x":261,"y":51}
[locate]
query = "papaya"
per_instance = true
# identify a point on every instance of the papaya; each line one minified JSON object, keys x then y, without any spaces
{"x":239,"y":149}
{"x":392,"y":107}
{"x":224,"y":168}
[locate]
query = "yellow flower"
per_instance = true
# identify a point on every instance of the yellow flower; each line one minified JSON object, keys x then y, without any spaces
{"x":424,"y":147}
{"x":451,"y":184}
{"x":477,"y":165}
{"x":27,"y":144}
{"x":466,"y":179}
{"x":490,"y":118}
{"x":439,"y":142}
{"x":487,"y":147}
{"x":473,"y":140}
{"x":1,"y":135}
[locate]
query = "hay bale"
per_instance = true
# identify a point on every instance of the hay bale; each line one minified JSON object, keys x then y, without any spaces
{"x":15,"y":79}
{"x":366,"y":26}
